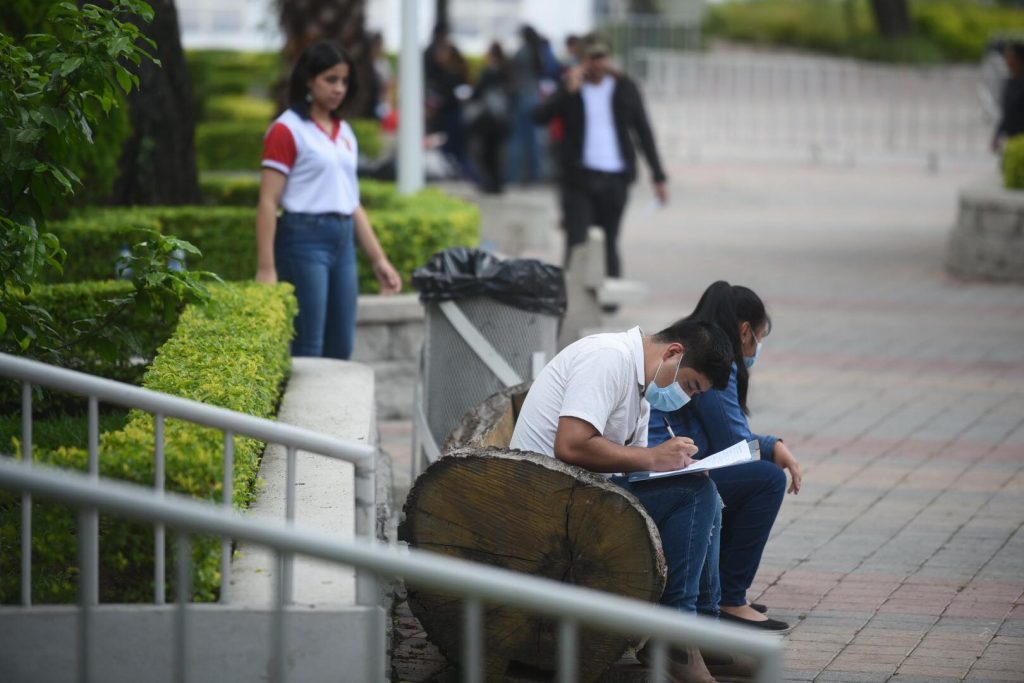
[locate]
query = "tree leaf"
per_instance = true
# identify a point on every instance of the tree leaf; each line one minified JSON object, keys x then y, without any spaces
{"x":70,"y":65}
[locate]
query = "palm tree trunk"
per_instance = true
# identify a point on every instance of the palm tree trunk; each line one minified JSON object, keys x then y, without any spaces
{"x":305,"y":22}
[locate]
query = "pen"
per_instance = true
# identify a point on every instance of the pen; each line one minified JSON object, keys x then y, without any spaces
{"x":670,"y":432}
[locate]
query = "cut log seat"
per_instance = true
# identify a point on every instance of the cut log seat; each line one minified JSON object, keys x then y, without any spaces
{"x":534,"y":514}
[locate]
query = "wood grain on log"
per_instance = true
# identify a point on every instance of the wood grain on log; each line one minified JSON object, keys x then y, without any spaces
{"x":534,"y":514}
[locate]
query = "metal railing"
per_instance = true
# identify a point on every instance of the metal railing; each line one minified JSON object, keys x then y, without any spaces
{"x":751,"y":102}
{"x":477,"y":584}
{"x":164,"y":406}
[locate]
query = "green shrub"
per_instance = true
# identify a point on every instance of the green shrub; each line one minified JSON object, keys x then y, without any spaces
{"x":1013,"y":163}
{"x":237,"y":145}
{"x":239,"y":108}
{"x":811,"y":24}
{"x":233,"y":353}
{"x":944,"y":30}
{"x":367,"y":132}
{"x":243,"y":189}
{"x":411,"y":229}
{"x":415,"y":228}
{"x":230,"y":145}
{"x":94,"y":241}
{"x":72,"y":302}
{"x":222,"y":72}
{"x":961,"y":30}
{"x":222,"y":188}
{"x":225,"y":235}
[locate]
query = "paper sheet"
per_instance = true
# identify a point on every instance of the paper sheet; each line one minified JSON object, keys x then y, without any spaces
{"x":736,"y":454}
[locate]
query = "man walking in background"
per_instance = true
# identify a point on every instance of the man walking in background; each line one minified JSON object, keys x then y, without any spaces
{"x":603,"y":112}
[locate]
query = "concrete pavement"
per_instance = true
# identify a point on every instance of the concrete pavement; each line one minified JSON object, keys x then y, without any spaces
{"x":900,"y":389}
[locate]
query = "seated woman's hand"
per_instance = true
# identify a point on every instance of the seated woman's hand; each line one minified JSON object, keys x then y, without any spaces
{"x":787,"y":461}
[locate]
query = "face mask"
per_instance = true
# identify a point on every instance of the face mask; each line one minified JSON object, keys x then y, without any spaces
{"x":749,"y":361}
{"x":667,"y":398}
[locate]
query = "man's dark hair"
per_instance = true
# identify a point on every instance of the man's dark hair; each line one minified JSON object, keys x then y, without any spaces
{"x":316,"y":59}
{"x":708,"y":350}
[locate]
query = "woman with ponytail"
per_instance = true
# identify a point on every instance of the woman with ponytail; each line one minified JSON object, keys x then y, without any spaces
{"x":751,"y":493}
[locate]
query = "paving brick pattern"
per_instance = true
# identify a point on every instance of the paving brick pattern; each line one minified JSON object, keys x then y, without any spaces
{"x":900,"y":389}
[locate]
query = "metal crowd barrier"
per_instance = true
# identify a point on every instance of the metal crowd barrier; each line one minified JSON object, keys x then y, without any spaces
{"x":477,"y":584}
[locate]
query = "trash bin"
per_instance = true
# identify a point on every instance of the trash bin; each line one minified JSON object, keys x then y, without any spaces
{"x":489,"y":323}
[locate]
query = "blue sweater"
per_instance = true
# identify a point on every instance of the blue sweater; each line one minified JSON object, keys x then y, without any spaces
{"x":714,"y":420}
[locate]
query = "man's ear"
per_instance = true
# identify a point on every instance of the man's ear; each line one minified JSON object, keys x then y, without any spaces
{"x":672,"y":350}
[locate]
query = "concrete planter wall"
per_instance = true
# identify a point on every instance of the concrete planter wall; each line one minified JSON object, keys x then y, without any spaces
{"x":388,"y":339}
{"x":988,"y":239}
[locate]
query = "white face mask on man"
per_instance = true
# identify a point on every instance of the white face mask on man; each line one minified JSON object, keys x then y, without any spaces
{"x":669,"y":397}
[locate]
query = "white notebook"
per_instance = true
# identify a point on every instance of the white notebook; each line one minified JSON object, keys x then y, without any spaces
{"x":736,"y":454}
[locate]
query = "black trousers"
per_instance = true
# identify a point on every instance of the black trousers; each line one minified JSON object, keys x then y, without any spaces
{"x":595,"y":198}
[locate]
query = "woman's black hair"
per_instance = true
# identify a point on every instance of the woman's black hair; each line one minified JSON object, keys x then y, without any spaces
{"x":316,"y":59}
{"x":727,"y":306}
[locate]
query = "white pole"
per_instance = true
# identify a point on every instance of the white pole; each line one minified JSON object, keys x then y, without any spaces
{"x":410,"y":110}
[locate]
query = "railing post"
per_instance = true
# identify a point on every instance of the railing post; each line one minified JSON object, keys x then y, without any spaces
{"x":287,"y":559}
{"x":183,"y":567}
{"x":26,"y":498}
{"x":366,"y":527}
{"x":159,"y":533}
{"x":225,"y":544}
{"x":88,"y":582}
{"x":568,"y":651}
{"x":92,"y":521}
{"x":472,"y":641}
{"x":278,"y":642}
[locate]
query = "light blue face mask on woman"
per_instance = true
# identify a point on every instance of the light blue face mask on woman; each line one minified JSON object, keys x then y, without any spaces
{"x":667,"y":398}
{"x":749,"y":361}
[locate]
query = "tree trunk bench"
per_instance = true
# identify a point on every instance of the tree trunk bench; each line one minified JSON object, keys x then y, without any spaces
{"x":529,"y":513}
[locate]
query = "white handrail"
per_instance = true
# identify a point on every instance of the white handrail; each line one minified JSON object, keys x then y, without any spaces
{"x":186,"y":409}
{"x":362,"y":456}
{"x":467,"y":579}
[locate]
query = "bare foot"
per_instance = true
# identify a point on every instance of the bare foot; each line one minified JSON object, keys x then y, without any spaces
{"x":744,"y":612}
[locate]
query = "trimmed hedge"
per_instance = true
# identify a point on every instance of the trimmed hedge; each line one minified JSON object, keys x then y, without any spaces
{"x":238,"y":108}
{"x":71,"y":302}
{"x":1013,"y":163}
{"x":945,"y":30}
{"x":236,"y":145}
{"x":233,"y":353}
{"x":228,"y":72}
{"x":411,"y":229}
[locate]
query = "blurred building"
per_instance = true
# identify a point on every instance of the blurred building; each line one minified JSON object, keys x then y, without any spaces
{"x":252,"y":24}
{"x":229,"y":25}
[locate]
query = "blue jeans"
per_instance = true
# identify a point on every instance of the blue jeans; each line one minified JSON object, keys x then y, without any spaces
{"x":316,"y":253}
{"x":523,"y":160}
{"x":683,"y":508}
{"x":752,"y":494}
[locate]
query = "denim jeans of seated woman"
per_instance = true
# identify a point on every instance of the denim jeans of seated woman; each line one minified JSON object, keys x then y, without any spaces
{"x":683,"y":508}
{"x":752,"y":494}
{"x":316,"y":253}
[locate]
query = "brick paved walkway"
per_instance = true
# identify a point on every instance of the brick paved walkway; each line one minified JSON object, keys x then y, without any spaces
{"x":900,"y":389}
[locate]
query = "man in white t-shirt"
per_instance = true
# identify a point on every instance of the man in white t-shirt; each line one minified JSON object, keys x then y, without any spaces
{"x":590,"y":406}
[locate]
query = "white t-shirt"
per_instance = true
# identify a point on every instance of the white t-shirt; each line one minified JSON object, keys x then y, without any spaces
{"x":597,"y":379}
{"x":320,"y":164}
{"x":600,"y":144}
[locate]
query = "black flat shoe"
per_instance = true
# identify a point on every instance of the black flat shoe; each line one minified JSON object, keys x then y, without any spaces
{"x":758,"y":607}
{"x":770,"y":625}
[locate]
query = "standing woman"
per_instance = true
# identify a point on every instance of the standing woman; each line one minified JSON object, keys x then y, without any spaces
{"x":309,"y":169}
{"x":752,"y":493}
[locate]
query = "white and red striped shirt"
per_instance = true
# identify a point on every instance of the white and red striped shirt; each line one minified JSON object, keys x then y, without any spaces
{"x":320,"y":164}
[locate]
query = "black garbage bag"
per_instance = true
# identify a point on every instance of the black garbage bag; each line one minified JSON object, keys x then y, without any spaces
{"x":462,"y":273}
